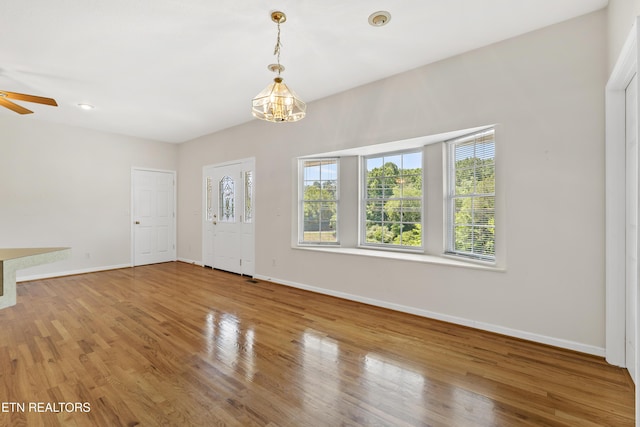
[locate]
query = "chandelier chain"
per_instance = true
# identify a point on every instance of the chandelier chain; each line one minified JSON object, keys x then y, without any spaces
{"x":276,"y":50}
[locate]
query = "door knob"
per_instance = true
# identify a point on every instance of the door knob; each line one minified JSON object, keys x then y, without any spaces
{"x":137,"y":222}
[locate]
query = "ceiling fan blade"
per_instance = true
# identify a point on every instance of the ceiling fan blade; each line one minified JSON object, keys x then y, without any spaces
{"x":15,"y":107}
{"x":30,"y":98}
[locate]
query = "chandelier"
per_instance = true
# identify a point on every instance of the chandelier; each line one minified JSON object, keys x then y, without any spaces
{"x":277,"y":103}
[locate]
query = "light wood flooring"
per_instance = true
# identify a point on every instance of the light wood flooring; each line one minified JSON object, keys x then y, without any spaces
{"x":180,"y":345}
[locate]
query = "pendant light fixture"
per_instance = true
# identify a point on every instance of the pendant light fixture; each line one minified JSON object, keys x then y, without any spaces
{"x":277,"y":103}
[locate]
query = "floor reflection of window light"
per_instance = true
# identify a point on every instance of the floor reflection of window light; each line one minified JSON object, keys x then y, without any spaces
{"x":225,"y":340}
{"x":384,"y":369}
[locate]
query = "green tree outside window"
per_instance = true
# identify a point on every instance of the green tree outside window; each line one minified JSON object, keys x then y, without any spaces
{"x":393,"y":200}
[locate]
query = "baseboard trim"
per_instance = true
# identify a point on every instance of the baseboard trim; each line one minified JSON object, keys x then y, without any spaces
{"x":515,"y":333}
{"x":190,"y":261}
{"x":89,"y":270}
{"x":70,"y":272}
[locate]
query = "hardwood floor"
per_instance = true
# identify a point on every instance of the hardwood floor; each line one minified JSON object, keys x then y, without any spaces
{"x":178,"y":345}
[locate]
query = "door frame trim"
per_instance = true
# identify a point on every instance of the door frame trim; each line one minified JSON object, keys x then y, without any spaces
{"x":132,"y":211}
{"x":615,"y":198}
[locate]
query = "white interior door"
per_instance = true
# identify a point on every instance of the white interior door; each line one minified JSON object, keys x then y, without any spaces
{"x":228,"y":229}
{"x":631,"y":270}
{"x":153,"y":216}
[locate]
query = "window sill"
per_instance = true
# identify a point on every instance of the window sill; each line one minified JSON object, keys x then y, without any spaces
{"x":447,"y":260}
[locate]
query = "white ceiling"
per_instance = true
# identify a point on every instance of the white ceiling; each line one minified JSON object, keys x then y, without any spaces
{"x":173,"y":70}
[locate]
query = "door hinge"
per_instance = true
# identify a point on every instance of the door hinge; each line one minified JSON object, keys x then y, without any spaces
{"x":240,"y":262}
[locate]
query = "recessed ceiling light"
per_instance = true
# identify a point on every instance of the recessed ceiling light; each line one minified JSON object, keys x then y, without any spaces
{"x":86,"y":106}
{"x":379,"y":18}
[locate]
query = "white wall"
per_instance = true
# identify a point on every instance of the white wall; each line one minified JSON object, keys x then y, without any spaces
{"x":545,"y":90}
{"x":621,"y":14}
{"x":67,"y":186}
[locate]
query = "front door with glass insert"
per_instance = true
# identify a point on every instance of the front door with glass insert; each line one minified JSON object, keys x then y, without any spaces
{"x":228,"y":217}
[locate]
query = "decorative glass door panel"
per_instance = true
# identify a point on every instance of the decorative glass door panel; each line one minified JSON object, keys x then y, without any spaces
{"x":227,"y":200}
{"x":209,"y":200}
{"x":248,"y":197}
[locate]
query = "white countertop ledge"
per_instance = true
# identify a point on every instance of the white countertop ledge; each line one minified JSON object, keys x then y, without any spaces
{"x":13,"y":259}
{"x":13,"y":253}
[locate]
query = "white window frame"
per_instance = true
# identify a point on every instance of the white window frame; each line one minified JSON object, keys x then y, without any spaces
{"x":434,"y":216}
{"x":451,"y":197}
{"x":301,"y":201}
{"x":362,"y":220}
